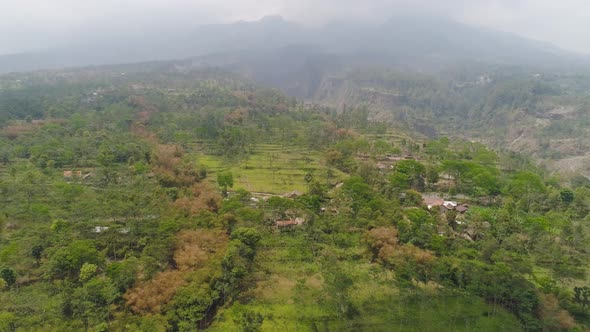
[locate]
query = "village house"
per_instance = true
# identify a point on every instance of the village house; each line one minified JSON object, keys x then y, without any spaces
{"x":454,"y":206}
{"x":448,"y":206}
{"x":444,"y":206}
{"x":462,"y":208}
{"x":289,"y":222}
{"x":431,"y":202}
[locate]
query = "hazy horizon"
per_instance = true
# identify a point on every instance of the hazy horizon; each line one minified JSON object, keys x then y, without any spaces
{"x":33,"y":25}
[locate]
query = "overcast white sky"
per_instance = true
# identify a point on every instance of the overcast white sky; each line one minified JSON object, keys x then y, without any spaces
{"x":35,"y":24}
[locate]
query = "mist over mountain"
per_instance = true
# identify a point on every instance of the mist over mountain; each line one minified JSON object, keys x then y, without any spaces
{"x":419,"y":42}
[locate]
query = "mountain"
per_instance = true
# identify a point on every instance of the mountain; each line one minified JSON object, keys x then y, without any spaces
{"x":416,"y":41}
{"x":432,"y":76}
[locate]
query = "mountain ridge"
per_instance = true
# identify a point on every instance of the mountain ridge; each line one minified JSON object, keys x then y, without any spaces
{"x":417,"y":39}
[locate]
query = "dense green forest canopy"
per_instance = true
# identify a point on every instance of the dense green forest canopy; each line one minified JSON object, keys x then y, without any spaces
{"x":153,"y":198}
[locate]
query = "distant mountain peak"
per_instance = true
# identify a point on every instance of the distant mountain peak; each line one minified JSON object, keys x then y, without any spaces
{"x":404,"y":40}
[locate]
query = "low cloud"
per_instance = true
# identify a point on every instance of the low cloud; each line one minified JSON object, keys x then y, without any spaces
{"x":36,"y":24}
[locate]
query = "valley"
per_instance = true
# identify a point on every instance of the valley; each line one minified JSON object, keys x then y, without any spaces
{"x":183,"y":199}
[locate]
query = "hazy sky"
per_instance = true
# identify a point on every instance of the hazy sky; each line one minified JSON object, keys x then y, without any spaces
{"x":34,"y":24}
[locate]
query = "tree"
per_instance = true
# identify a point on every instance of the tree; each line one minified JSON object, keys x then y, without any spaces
{"x":400,"y":180}
{"x":432,"y":175}
{"x":225,"y":180}
{"x":67,"y":261}
{"x":567,"y":196}
{"x":498,"y":284}
{"x":485,"y":180}
{"x":412,"y":198}
{"x":527,"y":186}
{"x":248,"y":236}
{"x":87,"y":271}
{"x":408,"y":174}
{"x":8,"y":275}
{"x":382,"y":242}
{"x":237,"y":260}
{"x":248,"y":320}
{"x":582,"y":296}
{"x":8,"y":321}
{"x":191,"y":305}
{"x":91,"y":302}
{"x":123,"y":273}
{"x":456,"y":169}
{"x":308,"y":177}
{"x":359,"y":191}
{"x":37,"y":252}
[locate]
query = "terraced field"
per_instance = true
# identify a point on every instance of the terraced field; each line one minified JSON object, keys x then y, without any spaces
{"x":273,"y":168}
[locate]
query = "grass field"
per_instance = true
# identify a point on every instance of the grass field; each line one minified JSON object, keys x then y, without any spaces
{"x":272,"y":168}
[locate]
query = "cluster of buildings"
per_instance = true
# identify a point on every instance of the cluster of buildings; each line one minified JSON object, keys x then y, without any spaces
{"x":444,"y":206}
{"x":289,"y":222}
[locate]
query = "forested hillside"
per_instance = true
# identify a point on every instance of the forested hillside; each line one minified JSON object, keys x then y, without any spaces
{"x":542,"y":114}
{"x":164,"y":197}
{"x":527,"y":109}
{"x":435,"y":75}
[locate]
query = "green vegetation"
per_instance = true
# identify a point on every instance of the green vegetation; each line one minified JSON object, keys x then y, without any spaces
{"x":539,"y":112}
{"x":175,"y":201}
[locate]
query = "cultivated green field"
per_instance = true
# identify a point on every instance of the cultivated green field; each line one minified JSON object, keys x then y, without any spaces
{"x":273,"y":168}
